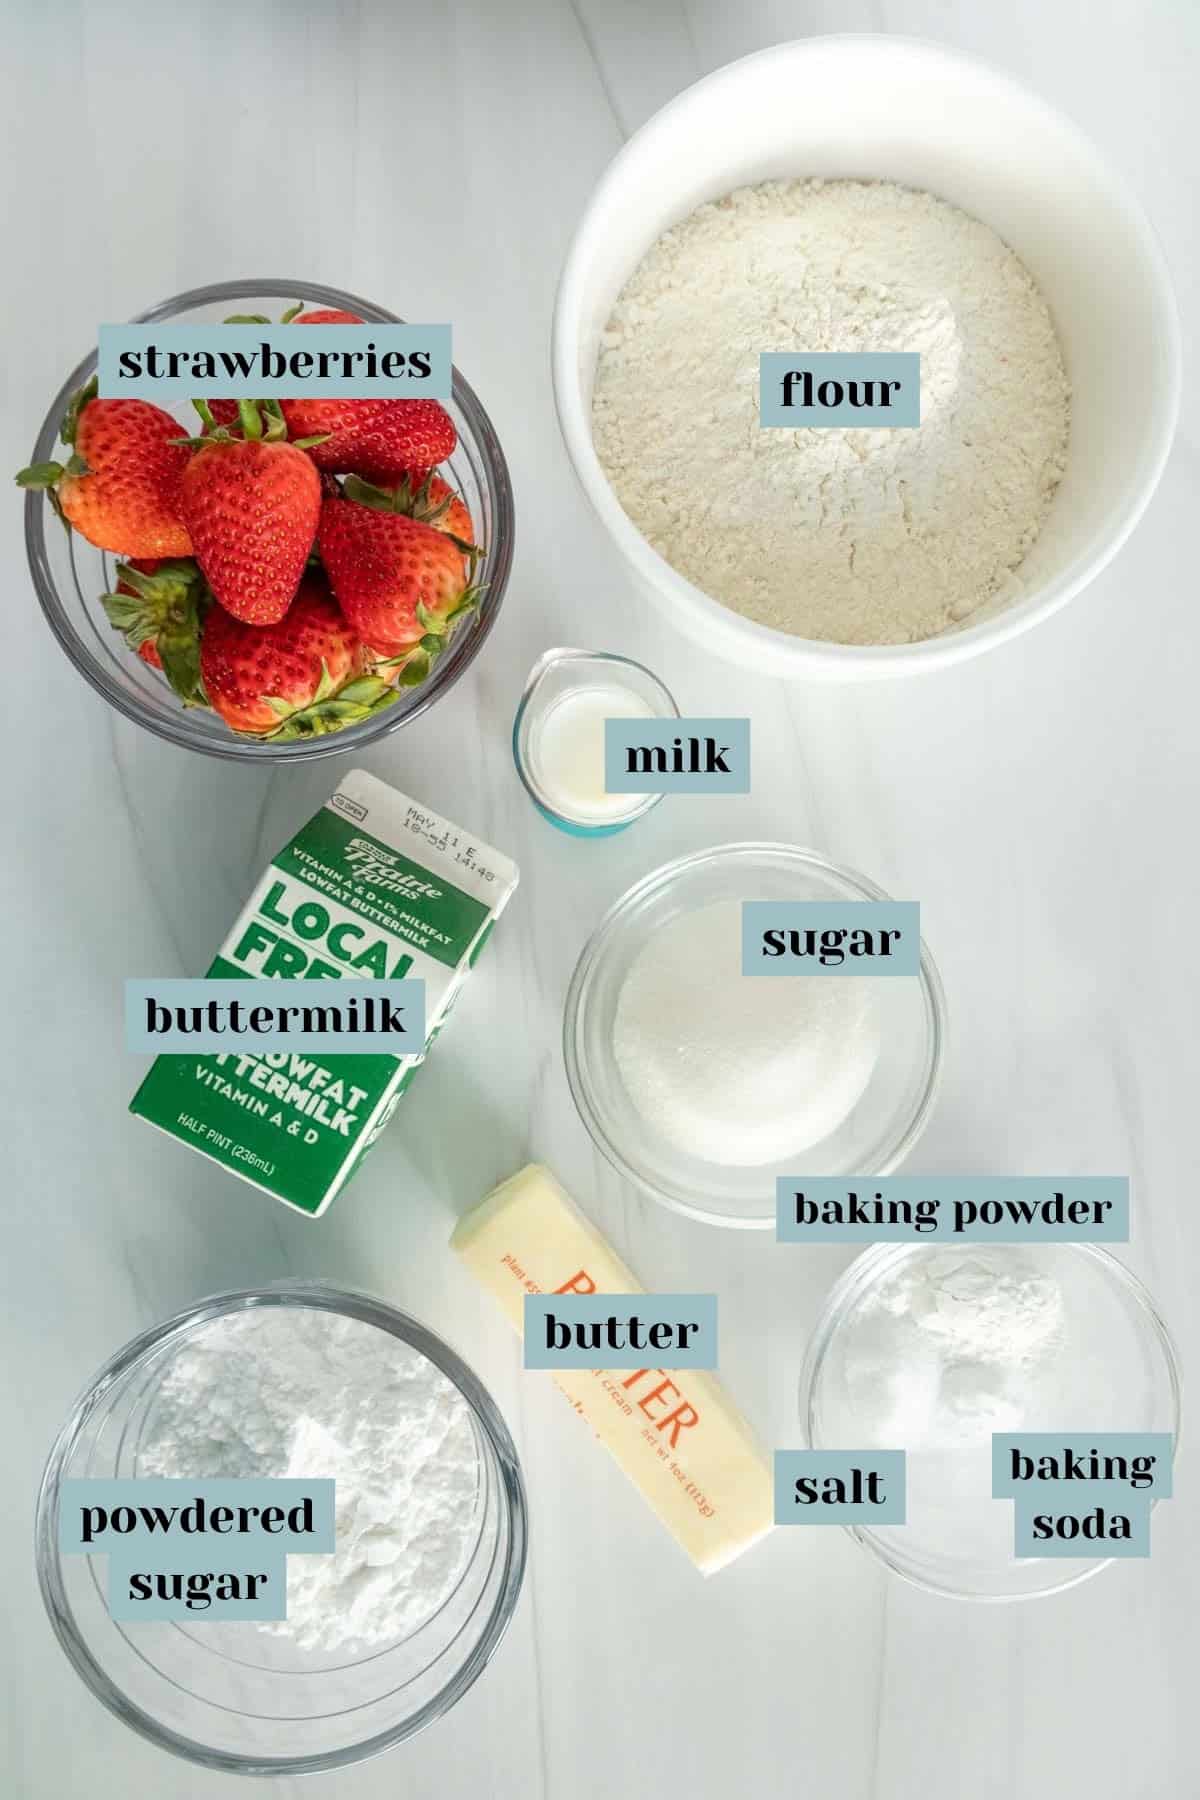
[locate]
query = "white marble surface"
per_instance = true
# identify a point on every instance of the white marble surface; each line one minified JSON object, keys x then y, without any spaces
{"x":1040,"y":803}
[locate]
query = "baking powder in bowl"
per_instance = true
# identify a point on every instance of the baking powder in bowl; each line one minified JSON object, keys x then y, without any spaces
{"x":304,"y":1392}
{"x":855,"y":536}
{"x":737,"y":1069}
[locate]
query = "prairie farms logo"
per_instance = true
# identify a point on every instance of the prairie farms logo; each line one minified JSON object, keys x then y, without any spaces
{"x":386,"y":870}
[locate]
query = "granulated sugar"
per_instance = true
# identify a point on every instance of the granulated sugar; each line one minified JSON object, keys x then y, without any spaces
{"x":730,"y":1068}
{"x":853,"y":536}
{"x":297,"y":1391}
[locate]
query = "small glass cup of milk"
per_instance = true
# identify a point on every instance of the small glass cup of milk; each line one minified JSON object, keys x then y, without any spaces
{"x":558,"y":736}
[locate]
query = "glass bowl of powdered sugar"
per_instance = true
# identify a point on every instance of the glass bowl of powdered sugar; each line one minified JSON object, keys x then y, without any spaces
{"x":701,"y":1084}
{"x":931,"y":1349}
{"x":383,"y":1635}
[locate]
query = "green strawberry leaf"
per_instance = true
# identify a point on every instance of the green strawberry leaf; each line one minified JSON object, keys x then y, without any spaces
{"x":285,"y":318}
{"x":178,"y":641}
{"x":365,"y":690}
{"x":79,"y":399}
{"x":318,"y":721}
{"x":414,"y":671}
{"x":40,"y":475}
{"x":131,"y":617}
{"x":246,"y":319}
{"x":469,"y":601}
{"x":367,"y":494}
{"x":167,"y":609}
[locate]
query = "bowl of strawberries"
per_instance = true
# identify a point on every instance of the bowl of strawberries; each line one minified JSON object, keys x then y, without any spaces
{"x":268,"y":579}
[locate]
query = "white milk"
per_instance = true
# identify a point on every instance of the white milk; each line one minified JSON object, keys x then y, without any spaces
{"x":566,"y":751}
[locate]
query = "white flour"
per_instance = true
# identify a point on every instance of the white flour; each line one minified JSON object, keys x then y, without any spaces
{"x":733,"y":1068}
{"x":302,"y":1392}
{"x":855,"y":536}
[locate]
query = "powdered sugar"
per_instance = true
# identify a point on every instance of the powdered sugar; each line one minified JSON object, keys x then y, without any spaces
{"x":305,"y":1392}
{"x":855,"y":536}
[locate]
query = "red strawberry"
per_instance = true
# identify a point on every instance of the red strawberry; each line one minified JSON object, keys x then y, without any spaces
{"x":225,"y":412}
{"x":158,"y":607}
{"x":328,"y":315}
{"x":297,"y":678}
{"x":381,"y":440}
{"x":252,"y":506}
{"x":435,"y":502}
{"x":401,"y":583}
{"x":120,"y":488}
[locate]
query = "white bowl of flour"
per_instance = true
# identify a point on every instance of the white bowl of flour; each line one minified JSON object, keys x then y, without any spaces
{"x":864,"y":193}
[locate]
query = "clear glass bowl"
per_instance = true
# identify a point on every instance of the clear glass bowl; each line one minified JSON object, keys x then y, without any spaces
{"x":562,"y":672}
{"x":876,"y":1135}
{"x":1117,"y":1372}
{"x":231,"y":1696}
{"x":70,"y":575}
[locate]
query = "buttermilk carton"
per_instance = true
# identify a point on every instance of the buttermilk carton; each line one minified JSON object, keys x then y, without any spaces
{"x":374,"y":885}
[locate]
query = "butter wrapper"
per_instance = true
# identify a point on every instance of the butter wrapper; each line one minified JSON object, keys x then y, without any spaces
{"x":677,"y":1436}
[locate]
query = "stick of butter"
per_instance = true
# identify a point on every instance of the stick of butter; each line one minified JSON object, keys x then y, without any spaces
{"x":676,"y":1436}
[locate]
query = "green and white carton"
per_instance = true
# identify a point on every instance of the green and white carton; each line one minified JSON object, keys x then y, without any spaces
{"x":374,"y":885}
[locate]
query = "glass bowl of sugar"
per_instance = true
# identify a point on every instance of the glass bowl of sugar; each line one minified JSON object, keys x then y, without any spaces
{"x":703,"y":1085}
{"x":930,"y":1349}
{"x":383,"y":1635}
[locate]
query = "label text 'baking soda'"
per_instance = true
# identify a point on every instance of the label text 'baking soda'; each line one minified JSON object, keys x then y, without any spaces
{"x":1082,"y":1494}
